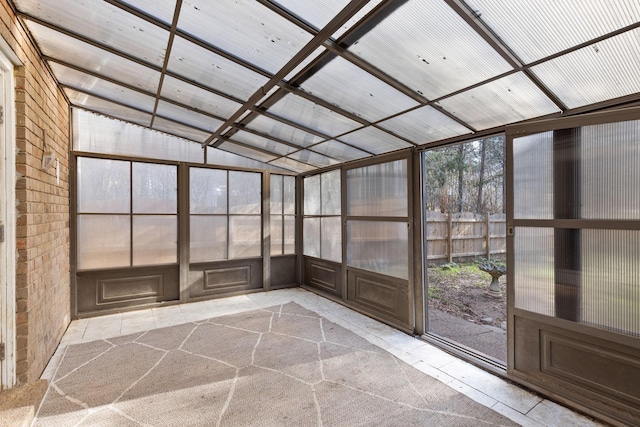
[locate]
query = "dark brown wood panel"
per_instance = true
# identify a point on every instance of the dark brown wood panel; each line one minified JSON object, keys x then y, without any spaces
{"x":109,"y":290}
{"x":324,"y":276}
{"x":283,"y":272}
{"x":224,"y":277}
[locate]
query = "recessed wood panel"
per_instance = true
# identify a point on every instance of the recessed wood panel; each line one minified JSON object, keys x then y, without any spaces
{"x":324,"y":276}
{"x":283,"y":272}
{"x":129,"y":288}
{"x":225,"y":277}
{"x":233,"y":277}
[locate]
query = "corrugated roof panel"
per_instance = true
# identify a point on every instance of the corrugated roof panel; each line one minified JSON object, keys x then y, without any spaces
{"x":292,"y":165}
{"x":338,"y":150}
{"x":244,"y":28}
{"x":374,"y":140}
{"x":199,"y":98}
{"x":313,"y":158}
{"x":187,"y":116}
{"x":424,"y":124}
{"x":536,"y":29}
{"x":107,"y":108}
{"x":283,"y":131}
{"x":178,"y":129}
{"x":263,"y":143}
{"x":500,"y":102}
{"x":317,"y":13}
{"x":599,"y":72}
{"x":245,"y":151}
{"x":431,"y":49}
{"x":162,"y":10}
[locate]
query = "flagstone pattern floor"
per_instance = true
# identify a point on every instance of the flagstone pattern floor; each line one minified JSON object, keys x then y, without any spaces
{"x":374,"y":339}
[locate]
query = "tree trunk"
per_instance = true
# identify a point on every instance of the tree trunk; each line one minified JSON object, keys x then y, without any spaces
{"x":460,"y":177}
{"x":483,"y":155}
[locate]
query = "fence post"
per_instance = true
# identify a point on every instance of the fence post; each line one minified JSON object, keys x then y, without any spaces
{"x":488,"y":231}
{"x":450,"y":238}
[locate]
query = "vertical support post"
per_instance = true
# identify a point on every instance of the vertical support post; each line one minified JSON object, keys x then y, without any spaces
{"x":183,"y":229}
{"x":266,"y":231}
{"x":449,"y":237}
{"x":488,"y":235}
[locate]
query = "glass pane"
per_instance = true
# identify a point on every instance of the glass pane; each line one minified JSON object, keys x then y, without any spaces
{"x":245,"y":236}
{"x":313,"y":158}
{"x":263,"y":143}
{"x":425,"y":124}
{"x":534,"y":273}
{"x":250,"y":153}
{"x":289,"y":195}
{"x":349,"y":87}
{"x":104,"y":186}
{"x":533,"y":176}
{"x":155,"y":188}
{"x":610,"y":280}
{"x":108,"y":108}
{"x":197,"y":97}
{"x":289,"y":234}
{"x":611,"y":171}
{"x":339,"y":151}
{"x":507,"y":100}
{"x":318,"y":12}
{"x":103,"y":241}
{"x":188,"y":117}
{"x":208,"y":238}
{"x":276,"y":234}
{"x":180,"y":130}
{"x":311,"y":237}
{"x":312,"y":195}
{"x":159,"y":9}
{"x":219,"y":157}
{"x":207,"y":191}
{"x":379,"y":246}
{"x":245,"y":193}
{"x":331,"y":193}
{"x":292,"y":165}
{"x":331,"y":238}
{"x":94,"y":133}
{"x":155,"y":239}
{"x":374,"y":140}
{"x":276,"y":194}
{"x":283,"y":131}
{"x":378,"y":190}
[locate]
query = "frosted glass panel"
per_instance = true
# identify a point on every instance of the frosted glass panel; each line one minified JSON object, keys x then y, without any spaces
{"x":105,"y":107}
{"x":208,"y":191}
{"x":339,"y":151}
{"x":533,"y":176}
{"x":379,"y":246}
{"x":103,"y":186}
{"x":374,"y":140}
{"x":311,"y":237}
{"x":313,"y":158}
{"x":187,"y":116}
{"x":245,"y":236}
{"x":283,"y":131}
{"x":155,"y":239}
{"x":425,"y":124}
{"x":289,"y":195}
{"x":534,"y":271}
{"x":331,"y":238}
{"x":312,"y":195}
{"x":155,"y":188}
{"x":103,"y":241}
{"x":208,"y":238}
{"x":611,"y":280}
{"x":240,"y":150}
{"x":197,"y":97}
{"x":276,"y":234}
{"x":378,"y":190}
{"x":178,"y":129}
{"x":289,"y":234}
{"x":262,"y":143}
{"x":611,"y":171}
{"x":330,"y":193}
{"x":245,"y":193}
{"x":276,"y":194}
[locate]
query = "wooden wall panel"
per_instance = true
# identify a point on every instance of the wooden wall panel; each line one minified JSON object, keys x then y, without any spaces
{"x":324,"y":276}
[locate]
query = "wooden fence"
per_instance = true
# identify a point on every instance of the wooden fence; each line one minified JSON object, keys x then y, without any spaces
{"x":464,"y":235}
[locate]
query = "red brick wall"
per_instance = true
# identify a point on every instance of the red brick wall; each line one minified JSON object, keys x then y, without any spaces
{"x":42,"y":229}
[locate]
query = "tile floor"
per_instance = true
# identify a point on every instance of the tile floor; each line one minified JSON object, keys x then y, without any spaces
{"x":513,"y":402}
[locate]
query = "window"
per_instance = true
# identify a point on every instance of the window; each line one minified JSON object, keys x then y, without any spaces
{"x":283,"y":219}
{"x":322,"y":228}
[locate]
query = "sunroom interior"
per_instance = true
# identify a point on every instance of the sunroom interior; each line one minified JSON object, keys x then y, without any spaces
{"x":231,"y":147}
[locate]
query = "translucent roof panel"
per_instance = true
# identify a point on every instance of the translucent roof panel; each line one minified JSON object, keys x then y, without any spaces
{"x":313,"y":158}
{"x":86,"y":82}
{"x":108,"y":108}
{"x":307,"y":61}
{"x":233,"y":27}
{"x":179,"y":129}
{"x":356,"y":18}
{"x":292,"y":165}
{"x":106,"y":24}
{"x":162,"y":10}
{"x":424,"y":124}
{"x":283,"y":131}
{"x":263,"y":143}
{"x":313,"y":116}
{"x":187,"y":116}
{"x":246,"y":152}
{"x":212,"y":70}
{"x":507,"y":100}
{"x":578,"y":77}
{"x":537,"y":29}
{"x":338,"y":150}
{"x":88,"y":57}
{"x":431,"y":49}
{"x":317,"y":13}
{"x":356,"y":91}
{"x":219,"y":157}
{"x":204,"y":100}
{"x":374,"y":140}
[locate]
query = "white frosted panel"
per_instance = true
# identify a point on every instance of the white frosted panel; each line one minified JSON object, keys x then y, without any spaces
{"x":256,"y":155}
{"x":276,"y":234}
{"x":345,"y":85}
{"x":245,"y":192}
{"x":289,"y":234}
{"x":104,"y":186}
{"x":311,"y":237}
{"x":187,"y":116}
{"x":331,"y":238}
{"x":533,"y":176}
{"x":378,"y":190}
{"x":208,"y":238}
{"x":309,"y":59}
{"x":610,"y":293}
{"x":108,"y":108}
{"x":313,"y":116}
{"x":379,"y":246}
{"x":431,"y":49}
{"x":225,"y":158}
{"x":289,"y":183}
{"x":99,"y":134}
{"x":339,"y":151}
{"x":331,"y":192}
{"x":610,"y":171}
{"x":103,"y":241}
{"x":199,"y":98}
{"x":534,"y":272}
{"x":245,"y":236}
{"x":155,"y":239}
{"x":207,"y":191}
{"x":536,"y":29}
{"x":292,"y":165}
{"x":159,"y":9}
{"x":89,"y":57}
{"x":212,"y":70}
{"x":312,"y":201}
{"x":313,"y":158}
{"x":374,"y":140}
{"x":599,"y":72}
{"x":263,"y":143}
{"x":283,"y":131}
{"x":507,"y":100}
{"x":275,"y":197}
{"x":362,"y":13}
{"x":180,"y":130}
{"x":317,"y":13}
{"x":155,"y":188}
{"x":245,"y":29}
{"x":425,"y":124}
